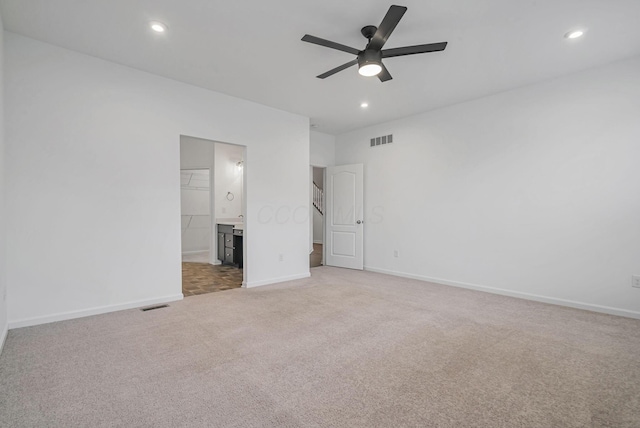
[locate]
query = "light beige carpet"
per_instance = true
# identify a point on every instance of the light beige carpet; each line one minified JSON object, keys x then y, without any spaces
{"x":341,"y":349}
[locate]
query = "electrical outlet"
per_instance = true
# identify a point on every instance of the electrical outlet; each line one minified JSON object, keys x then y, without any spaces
{"x":396,"y":253}
{"x":635,"y":281}
{"x":281,"y":257}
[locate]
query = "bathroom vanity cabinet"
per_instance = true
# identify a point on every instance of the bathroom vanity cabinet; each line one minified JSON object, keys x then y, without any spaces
{"x":230,"y":245}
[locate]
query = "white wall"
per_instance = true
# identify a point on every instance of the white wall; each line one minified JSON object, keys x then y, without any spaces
{"x":533,"y":192}
{"x":322,"y":149}
{"x":322,"y":153}
{"x":318,"y":177}
{"x":3,"y":241}
{"x":228,"y":178}
{"x":196,"y":154}
{"x":195,"y":210}
{"x":81,"y":247}
{"x":318,"y":227}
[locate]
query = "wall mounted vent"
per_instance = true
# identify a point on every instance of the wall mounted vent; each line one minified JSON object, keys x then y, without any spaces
{"x":385,"y":139}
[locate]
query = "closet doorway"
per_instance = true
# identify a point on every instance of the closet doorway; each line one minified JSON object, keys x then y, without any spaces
{"x":212,"y":205}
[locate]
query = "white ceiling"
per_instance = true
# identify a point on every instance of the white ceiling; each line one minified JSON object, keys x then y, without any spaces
{"x":252,"y":49}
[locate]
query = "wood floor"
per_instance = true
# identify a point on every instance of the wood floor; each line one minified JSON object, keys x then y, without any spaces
{"x":202,"y":278}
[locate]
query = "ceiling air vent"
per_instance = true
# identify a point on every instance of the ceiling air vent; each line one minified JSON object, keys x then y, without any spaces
{"x":385,"y":139}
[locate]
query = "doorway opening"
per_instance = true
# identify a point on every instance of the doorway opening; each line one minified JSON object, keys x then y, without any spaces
{"x":316,"y":257}
{"x":212,"y":204}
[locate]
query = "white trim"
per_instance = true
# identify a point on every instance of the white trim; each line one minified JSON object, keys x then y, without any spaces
{"x":3,"y":337}
{"x":318,"y":241}
{"x":26,"y":322}
{"x":275,"y":280}
{"x":190,"y":253}
{"x":527,"y":296}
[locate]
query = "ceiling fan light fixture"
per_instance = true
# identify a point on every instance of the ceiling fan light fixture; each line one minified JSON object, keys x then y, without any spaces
{"x":369,"y":60}
{"x":370,"y":63}
{"x":369,"y":70}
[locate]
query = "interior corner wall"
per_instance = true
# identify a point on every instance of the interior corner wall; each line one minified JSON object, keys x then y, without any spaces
{"x":3,"y":241}
{"x":532,"y":193}
{"x":322,"y":149}
{"x":93,"y":204}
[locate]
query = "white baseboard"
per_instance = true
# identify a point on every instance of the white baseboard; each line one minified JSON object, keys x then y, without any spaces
{"x":26,"y":322}
{"x":275,"y":280}
{"x":3,"y":337}
{"x":195,"y":252}
{"x":318,"y":241}
{"x":535,"y":297}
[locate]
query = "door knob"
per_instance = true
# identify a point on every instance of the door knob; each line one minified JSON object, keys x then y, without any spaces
{"x":359,"y":221}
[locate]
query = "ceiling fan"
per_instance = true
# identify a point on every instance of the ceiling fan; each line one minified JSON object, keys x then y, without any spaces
{"x":369,"y":60}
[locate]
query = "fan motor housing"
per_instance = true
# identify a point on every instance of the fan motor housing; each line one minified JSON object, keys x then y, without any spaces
{"x":369,"y":56}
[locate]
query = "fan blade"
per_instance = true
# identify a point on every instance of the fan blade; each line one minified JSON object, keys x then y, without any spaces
{"x":412,"y":50}
{"x":384,"y":74}
{"x":388,"y":24}
{"x":337,"y":69}
{"x":329,"y":44}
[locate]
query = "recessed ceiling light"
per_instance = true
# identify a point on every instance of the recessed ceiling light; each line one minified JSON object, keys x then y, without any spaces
{"x":574,"y":34}
{"x":364,"y":105}
{"x":158,"y":27}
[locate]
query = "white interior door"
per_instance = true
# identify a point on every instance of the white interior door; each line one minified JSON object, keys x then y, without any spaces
{"x":344,"y":217}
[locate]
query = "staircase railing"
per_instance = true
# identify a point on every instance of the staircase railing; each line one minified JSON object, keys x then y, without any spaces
{"x":318,"y":198}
